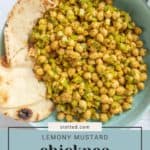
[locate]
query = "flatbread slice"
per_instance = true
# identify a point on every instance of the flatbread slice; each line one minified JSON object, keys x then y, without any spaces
{"x":22,"y":96}
{"x":18,"y":27}
{"x":29,"y":113}
{"x":22,"y":93}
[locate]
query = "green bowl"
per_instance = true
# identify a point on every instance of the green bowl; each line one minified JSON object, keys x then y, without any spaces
{"x":140,"y":13}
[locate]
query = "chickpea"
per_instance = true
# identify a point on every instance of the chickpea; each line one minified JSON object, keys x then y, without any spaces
{"x":87,"y":115}
{"x":103,"y":49}
{"x":93,"y":55}
{"x":60,"y":116}
{"x":107,"y":21}
{"x":53,"y":14}
{"x":115,"y":15}
{"x":118,"y":25}
{"x":74,"y":103}
{"x":39,"y":71}
{"x":135,"y":38}
{"x":140,"y":59}
{"x":59,"y":107}
{"x":100,"y":84}
{"x":68,"y":31}
{"x":126,"y":106}
{"x":42,"y":22}
{"x":110,"y":100}
{"x":143,"y":77}
{"x":99,"y":61}
{"x":60,"y":34}
{"x":52,"y":37}
{"x":76,"y":96}
{"x":42,"y":59}
{"x":100,"y":15}
{"x":104,"y":98}
{"x":107,"y":84}
{"x":122,"y":80}
{"x":50,"y":26}
{"x":136,"y":76}
{"x":103,"y":90}
{"x":70,"y":47}
{"x":139,"y":44}
{"x":95,"y":25}
{"x":129,"y":100}
{"x":108,"y":14}
{"x":140,"y":86}
{"x":89,"y":104}
{"x":105,"y":107}
{"x":120,"y":90}
{"x":109,"y":76}
{"x":100,"y":68}
{"x":66,"y":97}
{"x":81,"y":38}
{"x":79,"y":48}
{"x":91,"y":62}
{"x":135,"y":52}
{"x":142,"y":52}
{"x":137,"y":30}
{"x":69,"y":118}
{"x":55,"y":45}
{"x":124,"y":25}
{"x":120,"y":74}
{"x":100,"y":37}
{"x":60,"y":17}
{"x":103,"y":117}
{"x":115,"y":84}
{"x":106,"y":58}
{"x":101,"y":6}
{"x":143,"y":67}
{"x":95,"y":116}
{"x":90,"y":68}
{"x":95,"y":77}
{"x":73,"y":55}
{"x":87,"y":75}
{"x":116,"y":108}
{"x":71,"y":72}
{"x":93,"y":32}
{"x":46,"y":67}
{"x":111,"y":92}
{"x":42,"y":27}
{"x":104,"y":32}
{"x":71,"y":43}
{"x":116,"y":111}
{"x":81,"y":12}
{"x":80,"y":30}
{"x":83,"y":104}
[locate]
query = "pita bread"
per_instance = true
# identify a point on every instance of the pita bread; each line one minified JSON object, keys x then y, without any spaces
{"x":29,"y":113}
{"x":22,"y":96}
{"x":21,"y":87}
{"x":18,"y":27}
{"x":20,"y":90}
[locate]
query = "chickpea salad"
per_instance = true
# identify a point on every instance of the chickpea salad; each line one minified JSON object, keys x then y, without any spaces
{"x":90,"y":57}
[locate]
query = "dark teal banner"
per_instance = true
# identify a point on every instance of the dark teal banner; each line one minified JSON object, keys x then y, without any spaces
{"x":40,"y":139}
